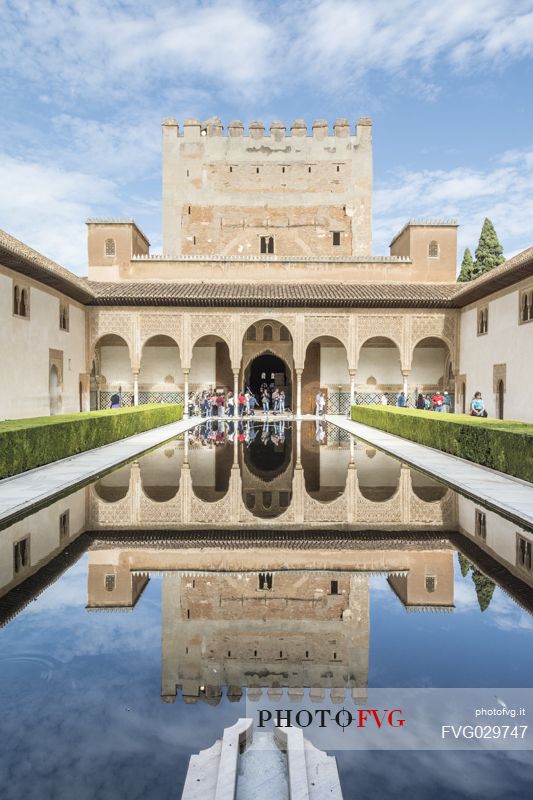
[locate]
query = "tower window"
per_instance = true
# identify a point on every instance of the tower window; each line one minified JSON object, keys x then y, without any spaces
{"x":283,"y":169}
{"x":188,"y":210}
{"x":110,"y":248}
{"x":257,"y":170}
{"x":433,"y":249}
{"x":231,"y":169}
{"x":267,"y":244}
{"x":265,"y":580}
{"x":309,"y":169}
{"x":110,"y":582}
{"x":431,"y":583}
{"x":20,"y":302}
{"x":338,"y":168}
{"x":336,"y":238}
{"x":334,"y":587}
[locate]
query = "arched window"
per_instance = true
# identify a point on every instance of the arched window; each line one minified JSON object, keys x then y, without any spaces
{"x":63,"y":317}
{"x":251,"y":334}
{"x":110,"y":247}
{"x":433,"y":249}
{"x":16,"y":300}
{"x":267,"y":333}
{"x":431,"y":583}
{"x":284,"y":334}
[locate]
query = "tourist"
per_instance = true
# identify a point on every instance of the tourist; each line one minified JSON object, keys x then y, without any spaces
{"x":207,"y":405}
{"x":427,"y":402}
{"x":437,"y":401}
{"x":252,"y":402}
{"x":281,"y":401}
{"x":275,"y":401}
{"x":230,"y":404}
{"x":384,"y":400}
{"x":115,"y":401}
{"x":447,"y":405}
{"x":242,"y":404}
{"x":265,"y":399}
{"x":400,"y":402}
{"x":318,"y":404}
{"x":477,"y":406}
{"x":214,"y":406}
{"x":220,"y":404}
{"x":421,"y":402}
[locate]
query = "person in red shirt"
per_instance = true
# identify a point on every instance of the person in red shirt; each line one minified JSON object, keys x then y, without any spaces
{"x":242,"y":404}
{"x":438,"y":401}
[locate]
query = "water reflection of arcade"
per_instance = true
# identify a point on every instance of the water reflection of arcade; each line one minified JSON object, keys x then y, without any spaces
{"x":230,"y":475}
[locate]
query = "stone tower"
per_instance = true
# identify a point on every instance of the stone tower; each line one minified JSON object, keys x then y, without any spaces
{"x":286,"y":193}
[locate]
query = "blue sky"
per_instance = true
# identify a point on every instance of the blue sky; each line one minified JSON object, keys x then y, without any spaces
{"x":84,"y":87}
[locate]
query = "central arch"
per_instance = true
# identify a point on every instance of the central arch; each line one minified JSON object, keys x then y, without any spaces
{"x":267,"y":357}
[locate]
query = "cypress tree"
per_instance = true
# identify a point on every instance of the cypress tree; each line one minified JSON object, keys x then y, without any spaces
{"x":484,"y":589}
{"x":467,"y":267}
{"x":489,"y":252}
{"x":464,"y":564}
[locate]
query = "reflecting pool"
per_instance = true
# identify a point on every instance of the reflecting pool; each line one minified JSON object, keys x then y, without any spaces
{"x":138,"y":612}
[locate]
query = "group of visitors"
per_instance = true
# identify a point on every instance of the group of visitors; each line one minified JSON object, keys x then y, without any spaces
{"x":215,"y":403}
{"x":217,"y":432}
{"x":441,"y":402}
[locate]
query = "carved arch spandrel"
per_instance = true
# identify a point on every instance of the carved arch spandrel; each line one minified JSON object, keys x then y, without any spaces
{"x":123,"y":324}
{"x":170,"y":325}
{"x":439,"y":326}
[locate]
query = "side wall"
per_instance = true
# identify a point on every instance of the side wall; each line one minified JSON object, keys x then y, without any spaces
{"x":504,"y":352}
{"x":29,"y":345}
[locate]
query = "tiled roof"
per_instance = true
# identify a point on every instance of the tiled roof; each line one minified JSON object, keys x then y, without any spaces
{"x":18,"y":256}
{"x":318,"y":295}
{"x":511,"y":271}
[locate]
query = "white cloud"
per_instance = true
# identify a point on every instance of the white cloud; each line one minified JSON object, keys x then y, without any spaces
{"x":504,"y":193}
{"x":47,"y":206}
{"x":250,"y":48}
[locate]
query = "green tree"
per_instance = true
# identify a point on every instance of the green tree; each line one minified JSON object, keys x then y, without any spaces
{"x":464,"y":564}
{"x":489,"y":252}
{"x":484,"y":589}
{"x":467,"y":267}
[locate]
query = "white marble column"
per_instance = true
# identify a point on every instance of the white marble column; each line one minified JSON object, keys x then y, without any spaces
{"x":186,"y":394}
{"x":135,"y":387}
{"x":405,"y":374}
{"x":352,"y":387}
{"x":299,"y":392}
{"x":235,"y":392}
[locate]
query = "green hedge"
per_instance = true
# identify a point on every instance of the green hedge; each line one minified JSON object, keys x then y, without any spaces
{"x":29,"y":443}
{"x":498,"y":444}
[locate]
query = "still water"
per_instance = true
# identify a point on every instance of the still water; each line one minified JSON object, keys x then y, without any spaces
{"x":138,"y":611}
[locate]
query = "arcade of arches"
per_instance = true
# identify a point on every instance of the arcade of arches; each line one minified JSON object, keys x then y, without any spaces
{"x":350,"y":357}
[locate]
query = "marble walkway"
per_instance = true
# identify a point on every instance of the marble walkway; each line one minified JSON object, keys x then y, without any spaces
{"x":504,"y":494}
{"x":39,"y":486}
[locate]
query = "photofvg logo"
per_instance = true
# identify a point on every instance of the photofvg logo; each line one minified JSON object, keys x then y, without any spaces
{"x":400,"y":719}
{"x":324,"y":717}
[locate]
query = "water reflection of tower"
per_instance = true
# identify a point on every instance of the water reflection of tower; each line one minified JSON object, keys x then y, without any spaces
{"x":309,"y":629}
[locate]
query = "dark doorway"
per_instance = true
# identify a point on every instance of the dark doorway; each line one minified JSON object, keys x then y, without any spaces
{"x":267,"y":365}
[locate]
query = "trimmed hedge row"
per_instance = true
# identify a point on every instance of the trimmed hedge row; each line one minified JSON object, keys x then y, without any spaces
{"x":29,"y":443}
{"x":498,"y":444}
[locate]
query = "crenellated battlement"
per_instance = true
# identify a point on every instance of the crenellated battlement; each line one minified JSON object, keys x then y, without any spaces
{"x":194,"y":129}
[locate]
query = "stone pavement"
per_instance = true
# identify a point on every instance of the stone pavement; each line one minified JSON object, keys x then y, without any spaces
{"x":504,"y":494}
{"x":38,"y":486}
